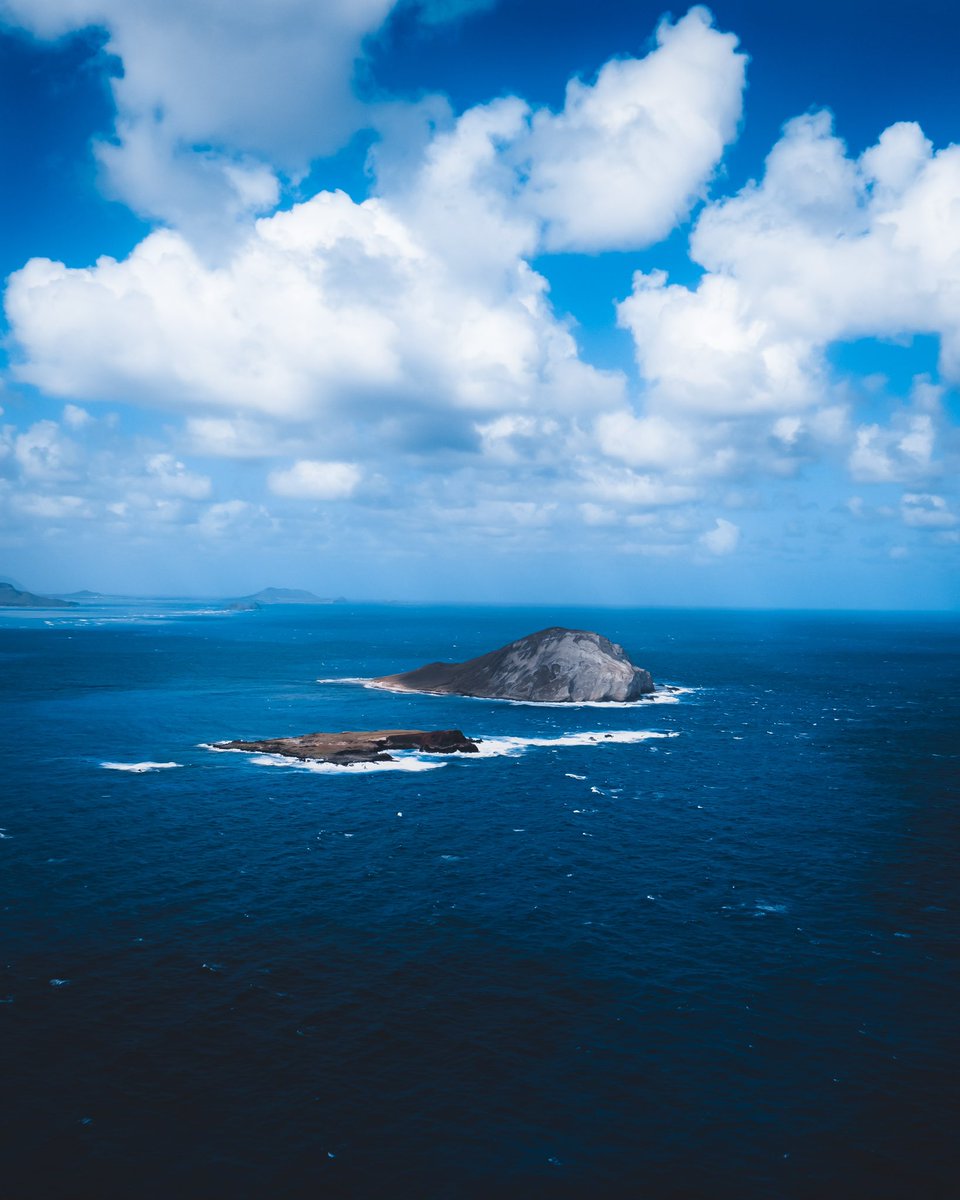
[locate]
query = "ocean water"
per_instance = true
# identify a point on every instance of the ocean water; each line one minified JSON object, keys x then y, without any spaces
{"x":712,"y":955}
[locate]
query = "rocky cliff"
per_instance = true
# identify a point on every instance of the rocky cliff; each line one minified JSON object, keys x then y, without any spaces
{"x":555,"y":665}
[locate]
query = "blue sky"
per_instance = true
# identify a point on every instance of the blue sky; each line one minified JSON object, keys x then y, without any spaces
{"x":466,"y":300}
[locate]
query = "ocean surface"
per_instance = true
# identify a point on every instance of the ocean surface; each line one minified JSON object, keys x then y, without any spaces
{"x":720,"y":961}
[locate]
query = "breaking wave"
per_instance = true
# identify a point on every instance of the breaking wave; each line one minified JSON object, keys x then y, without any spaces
{"x":495,"y":747}
{"x":139,"y":768}
{"x":666,"y":695}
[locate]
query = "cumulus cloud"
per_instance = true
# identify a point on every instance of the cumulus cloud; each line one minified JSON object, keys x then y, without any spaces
{"x":645,"y":442}
{"x":255,"y":86}
{"x":175,"y":480}
{"x":825,"y":248}
{"x":43,"y":452}
{"x":227,"y":516}
{"x":888,"y":455}
{"x":200,"y":148}
{"x":312,"y":480}
{"x":722,"y":539}
{"x":628,"y":156}
{"x":333,"y":309}
{"x":925,"y":511}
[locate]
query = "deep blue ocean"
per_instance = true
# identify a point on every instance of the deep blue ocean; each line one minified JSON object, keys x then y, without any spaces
{"x":717,"y":964}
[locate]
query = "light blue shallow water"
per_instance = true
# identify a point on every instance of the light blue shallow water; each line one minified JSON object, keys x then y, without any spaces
{"x":720,"y":963}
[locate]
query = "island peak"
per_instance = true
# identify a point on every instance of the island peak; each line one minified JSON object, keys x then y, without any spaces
{"x":554,"y":665}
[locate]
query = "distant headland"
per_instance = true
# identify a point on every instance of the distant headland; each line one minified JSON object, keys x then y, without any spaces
{"x":555,"y":665}
{"x":12,"y":597}
{"x":273,"y":595}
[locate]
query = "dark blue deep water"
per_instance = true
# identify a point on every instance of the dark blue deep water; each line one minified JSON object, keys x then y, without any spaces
{"x":720,"y":964}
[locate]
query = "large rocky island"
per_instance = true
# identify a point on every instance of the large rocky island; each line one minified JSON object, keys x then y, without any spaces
{"x":555,"y":665}
{"x":356,"y":746}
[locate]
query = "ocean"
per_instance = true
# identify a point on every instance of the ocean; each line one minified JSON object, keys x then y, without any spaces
{"x":711,"y":955}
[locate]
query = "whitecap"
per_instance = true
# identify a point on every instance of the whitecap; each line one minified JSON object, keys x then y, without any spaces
{"x":496,"y":747}
{"x":409,"y":760}
{"x":139,"y":767}
{"x":327,"y":768}
{"x":669,"y":694}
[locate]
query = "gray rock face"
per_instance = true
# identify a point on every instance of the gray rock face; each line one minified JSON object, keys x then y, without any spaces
{"x":555,"y":665}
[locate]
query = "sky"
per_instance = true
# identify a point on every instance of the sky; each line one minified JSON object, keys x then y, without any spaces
{"x":529,"y":301}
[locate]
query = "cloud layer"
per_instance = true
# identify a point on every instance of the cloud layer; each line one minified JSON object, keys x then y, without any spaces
{"x":396,"y":367}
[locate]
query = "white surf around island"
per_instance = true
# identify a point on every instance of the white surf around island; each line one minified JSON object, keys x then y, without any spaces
{"x":499,"y":747}
{"x":404,"y":760}
{"x":669,"y":694}
{"x":416,"y":760}
{"x":139,"y":768}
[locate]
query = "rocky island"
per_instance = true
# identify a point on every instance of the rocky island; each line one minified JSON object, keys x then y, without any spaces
{"x":555,"y":665}
{"x":342,"y":749}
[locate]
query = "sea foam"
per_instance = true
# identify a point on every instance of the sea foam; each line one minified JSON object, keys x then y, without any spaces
{"x":139,"y":768}
{"x":327,"y":768}
{"x":664,"y":696}
{"x":496,"y":747}
{"x":411,"y":760}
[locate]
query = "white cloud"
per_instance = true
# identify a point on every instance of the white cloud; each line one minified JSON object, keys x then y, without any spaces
{"x":175,"y":480}
{"x":234,"y":437}
{"x":259,"y":85}
{"x":76,"y":417}
{"x":613,"y":486}
{"x":826,"y":248}
{"x":312,"y":480}
{"x":228,"y":516}
{"x":645,"y":442}
{"x":925,"y":511}
{"x":334,"y":309}
{"x":43,"y":453}
{"x":52,"y":507}
{"x":200,"y":146}
{"x":722,"y":539}
{"x":897,"y":454}
{"x":627,"y":157}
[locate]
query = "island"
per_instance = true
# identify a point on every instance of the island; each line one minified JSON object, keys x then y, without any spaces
{"x":272,"y":595}
{"x":555,"y":665}
{"x":11,"y":597}
{"x":359,"y":746}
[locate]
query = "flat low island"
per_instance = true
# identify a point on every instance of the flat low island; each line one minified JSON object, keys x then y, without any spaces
{"x":359,"y":746}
